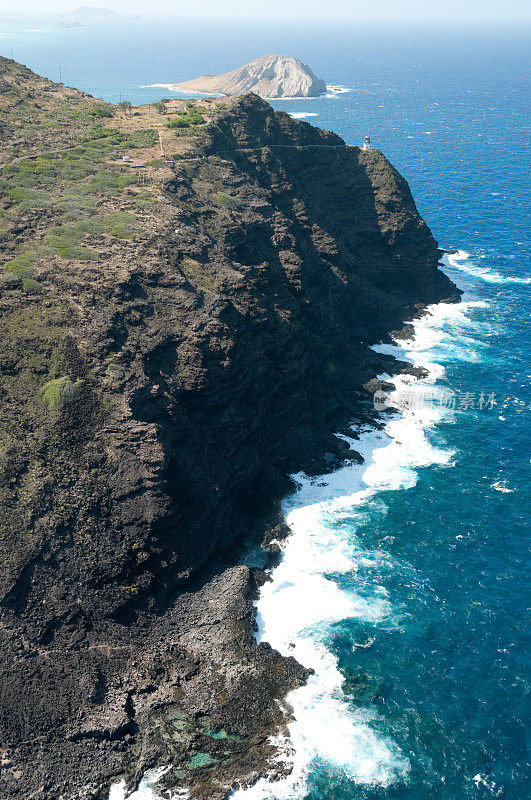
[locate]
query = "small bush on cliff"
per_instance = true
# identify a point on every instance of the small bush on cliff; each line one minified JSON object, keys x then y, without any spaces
{"x":61,"y":391}
{"x":177,"y":122}
{"x":64,"y":240}
{"x":143,"y":138}
{"x":227,"y":201}
{"x":101,"y":111}
{"x":29,"y":198}
{"x":109,"y":182}
{"x":121,"y":224}
{"x":29,"y":285}
{"x":188,"y":120}
{"x":97,"y":131}
{"x":21,"y":265}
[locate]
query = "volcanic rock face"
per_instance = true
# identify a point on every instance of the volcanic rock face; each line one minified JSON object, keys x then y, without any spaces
{"x":269,"y":76}
{"x":161,"y":377}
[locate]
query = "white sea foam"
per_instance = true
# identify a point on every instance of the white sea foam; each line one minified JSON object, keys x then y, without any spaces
{"x":461,"y":261}
{"x":172,"y":87}
{"x":147,"y":788}
{"x":493,"y":788}
{"x":501,"y":486}
{"x":334,"y":91}
{"x":302,"y":114}
{"x":296,"y":609}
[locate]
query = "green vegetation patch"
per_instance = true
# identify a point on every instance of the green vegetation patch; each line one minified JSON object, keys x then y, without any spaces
{"x":61,"y":392}
{"x":122,"y":225}
{"x":29,"y":285}
{"x":97,"y":131}
{"x":198,"y":274}
{"x":145,"y":200}
{"x":21,"y":265}
{"x":227,"y":201}
{"x":143,"y":138}
{"x":45,"y":171}
{"x":185,"y":119}
{"x":29,"y":198}
{"x":65,"y":240}
{"x":109,"y":182}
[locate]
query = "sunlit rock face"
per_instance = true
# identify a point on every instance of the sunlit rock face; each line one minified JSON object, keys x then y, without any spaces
{"x":268,"y":76}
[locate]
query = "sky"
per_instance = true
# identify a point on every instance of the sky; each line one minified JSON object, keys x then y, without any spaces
{"x":480,"y":10}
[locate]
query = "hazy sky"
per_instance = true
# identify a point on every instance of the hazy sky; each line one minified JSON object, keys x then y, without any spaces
{"x":329,"y":9}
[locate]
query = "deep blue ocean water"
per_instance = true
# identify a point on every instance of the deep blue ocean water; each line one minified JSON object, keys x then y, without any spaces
{"x":415,"y":589}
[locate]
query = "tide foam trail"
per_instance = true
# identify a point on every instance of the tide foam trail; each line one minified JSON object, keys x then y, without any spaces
{"x":461,"y":260}
{"x":297,"y":608}
{"x":172,"y":87}
{"x":302,"y":114}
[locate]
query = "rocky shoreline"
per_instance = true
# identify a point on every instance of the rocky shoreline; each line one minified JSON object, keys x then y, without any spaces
{"x":203,"y":339}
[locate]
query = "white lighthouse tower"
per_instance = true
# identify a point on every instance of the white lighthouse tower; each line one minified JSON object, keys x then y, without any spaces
{"x":367,"y":142}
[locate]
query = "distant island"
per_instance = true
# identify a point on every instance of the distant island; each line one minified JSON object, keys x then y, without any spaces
{"x":68,"y":25}
{"x":93,"y":12}
{"x":268,"y":76}
{"x":87,"y":14}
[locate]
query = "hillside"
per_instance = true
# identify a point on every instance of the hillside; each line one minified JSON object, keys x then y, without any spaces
{"x":178,"y":335}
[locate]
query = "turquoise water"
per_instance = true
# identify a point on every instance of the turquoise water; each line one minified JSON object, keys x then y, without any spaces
{"x":407,"y":586}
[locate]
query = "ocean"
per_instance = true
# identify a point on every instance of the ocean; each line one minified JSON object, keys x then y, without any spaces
{"x":405,"y":583}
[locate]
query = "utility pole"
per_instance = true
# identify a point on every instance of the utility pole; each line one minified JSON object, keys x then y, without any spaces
{"x":161,"y":147}
{"x":60,"y":75}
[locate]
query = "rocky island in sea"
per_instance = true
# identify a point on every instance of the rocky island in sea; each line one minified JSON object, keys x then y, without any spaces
{"x":270,"y":76}
{"x":178,"y":337}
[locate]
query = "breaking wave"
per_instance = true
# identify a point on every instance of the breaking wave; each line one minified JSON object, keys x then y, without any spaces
{"x":334,"y":91}
{"x":460,"y":260}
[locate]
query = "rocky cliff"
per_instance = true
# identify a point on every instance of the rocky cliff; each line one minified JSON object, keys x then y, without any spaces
{"x":268,"y":76}
{"x":175,"y":341}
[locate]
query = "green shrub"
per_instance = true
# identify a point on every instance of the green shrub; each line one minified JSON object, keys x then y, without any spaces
{"x":185,"y":120}
{"x":29,"y":285}
{"x":21,"y":265}
{"x":98,"y":132}
{"x":227,"y":201}
{"x":177,"y":122}
{"x":61,"y":391}
{"x":72,"y":166}
{"x":65,"y":240}
{"x":145,"y":200}
{"x":121,"y":224}
{"x":101,"y":111}
{"x":139,"y":139}
{"x":109,"y":182}
{"x":29,"y":198}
